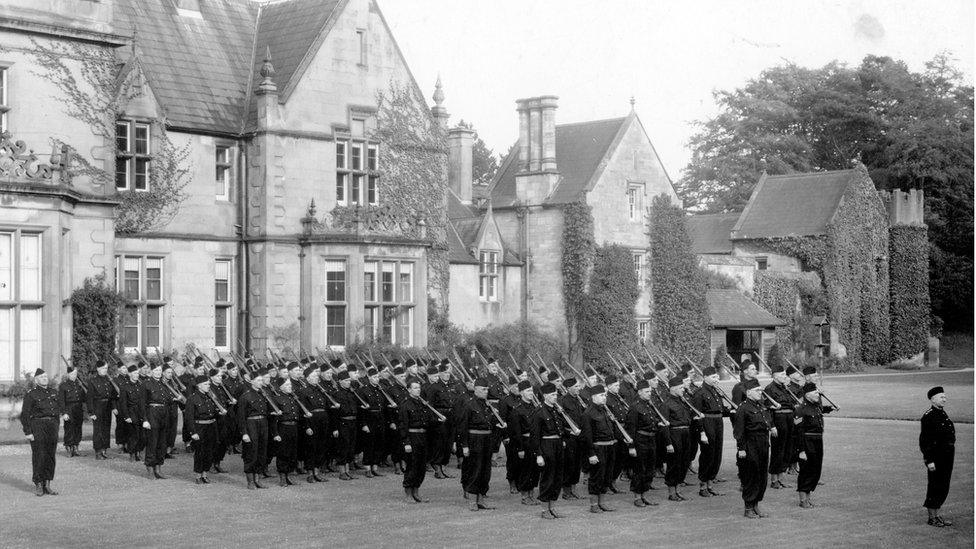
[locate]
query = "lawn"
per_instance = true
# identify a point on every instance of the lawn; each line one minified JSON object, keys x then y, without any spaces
{"x":872,"y":497}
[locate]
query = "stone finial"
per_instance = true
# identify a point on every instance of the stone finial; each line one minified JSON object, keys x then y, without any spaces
{"x":311,"y":209}
{"x":632,"y":103}
{"x":438,"y":111}
{"x":267,"y":72}
{"x":438,"y":92}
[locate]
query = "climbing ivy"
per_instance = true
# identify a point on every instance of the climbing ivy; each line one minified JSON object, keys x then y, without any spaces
{"x":909,"y":289}
{"x":607,"y":323}
{"x":578,"y":248}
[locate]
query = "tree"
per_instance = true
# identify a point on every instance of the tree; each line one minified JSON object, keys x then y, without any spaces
{"x":484,"y":160}
{"x":607,"y":323}
{"x":910,"y":129}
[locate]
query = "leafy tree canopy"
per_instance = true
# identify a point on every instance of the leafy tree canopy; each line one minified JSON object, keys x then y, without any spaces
{"x":484,"y":162}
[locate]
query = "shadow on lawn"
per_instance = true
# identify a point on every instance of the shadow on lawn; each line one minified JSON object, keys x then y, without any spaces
{"x":17,"y":483}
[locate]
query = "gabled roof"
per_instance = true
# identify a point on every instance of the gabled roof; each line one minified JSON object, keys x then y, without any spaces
{"x":580,"y":148}
{"x":457,"y":209}
{"x":799,"y":204}
{"x":731,"y":309}
{"x":710,"y":232}
{"x":465,"y":227}
{"x":197,"y":67}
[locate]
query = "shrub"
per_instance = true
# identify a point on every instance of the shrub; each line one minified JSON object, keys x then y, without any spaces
{"x":95,"y":309}
{"x":577,"y":258}
{"x":519,"y":339}
{"x":607,"y":323}
{"x":909,"y":290}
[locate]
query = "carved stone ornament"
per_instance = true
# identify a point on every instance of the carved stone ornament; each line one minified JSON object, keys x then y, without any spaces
{"x":366,"y":220}
{"x":19,"y":162}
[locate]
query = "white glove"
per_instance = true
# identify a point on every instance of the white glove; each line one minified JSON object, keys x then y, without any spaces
{"x":246,"y":438}
{"x":145,"y":425}
{"x":407,"y":448}
{"x":31,"y":438}
{"x":465,"y":451}
{"x":803,"y":456}
{"x":195,"y":436}
{"x":540,"y":461}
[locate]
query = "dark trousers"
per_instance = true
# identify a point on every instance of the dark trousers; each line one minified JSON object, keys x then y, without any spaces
{"x":346,"y":445}
{"x":642,"y":472}
{"x":938,"y":485}
{"x":528,"y":471}
{"x":226,"y":426}
{"x":286,"y":460}
{"x":620,"y":462}
{"x":476,"y":468}
{"x":599,"y":475}
{"x":551,"y":474}
{"x":511,"y":463}
{"x":158,"y":418}
{"x":203,"y":449}
{"x":72,"y":427}
{"x":753,"y":468}
{"x":135,"y":439}
{"x":677,"y":464}
{"x":781,"y":445}
{"x":185,"y":433}
{"x":809,"y":476}
{"x":102,"y":426}
{"x":255,"y":453}
{"x":571,"y":461}
{"x":373,"y":440}
{"x":315,"y":444}
{"x":439,"y":439}
{"x":173,"y":423}
{"x":43,"y":449}
{"x":710,"y":455}
{"x":416,"y":458}
{"x":122,"y":432}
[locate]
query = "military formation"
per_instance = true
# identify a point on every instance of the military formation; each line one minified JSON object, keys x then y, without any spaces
{"x":352,"y":415}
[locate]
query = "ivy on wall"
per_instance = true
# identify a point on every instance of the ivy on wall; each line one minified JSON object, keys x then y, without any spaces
{"x":909,"y":288}
{"x":607,"y":323}
{"x":680,"y":312}
{"x":578,"y":249}
{"x":95,"y":310}
{"x":92,"y":94}
{"x":794,"y":299}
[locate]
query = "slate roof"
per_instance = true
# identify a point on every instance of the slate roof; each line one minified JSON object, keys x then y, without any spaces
{"x":731,"y":309}
{"x":465,"y":222}
{"x":799,"y":204}
{"x":580,"y":148}
{"x":725,"y":259}
{"x":710,"y":232}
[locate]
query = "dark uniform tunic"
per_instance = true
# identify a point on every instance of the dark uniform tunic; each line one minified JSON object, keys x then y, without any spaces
{"x":186,"y":380}
{"x":781,"y":446}
{"x":751,"y":431}
{"x":708,"y":401}
{"x":441,"y":395}
{"x":40,"y":416}
{"x":316,"y":444}
{"x":679,"y":431}
{"x":374,"y":418}
{"x":573,"y":458}
{"x":201,"y":417}
{"x":642,"y":424}
{"x":226,"y":423}
{"x":121,"y":427}
{"x":475,"y":426}
{"x":71,"y":398}
{"x":286,"y":426}
{"x":414,"y":420}
{"x":937,"y":441}
{"x":157,"y":399}
{"x":547,"y":430}
{"x":505,"y":406}
{"x":519,"y":424}
{"x":617,"y":405}
{"x":809,"y":428}
{"x":394,"y":447}
{"x":173,"y":412}
{"x":252,"y":420}
{"x":348,"y":415}
{"x":101,"y":401}
{"x":132,"y":413}
{"x":599,"y":436}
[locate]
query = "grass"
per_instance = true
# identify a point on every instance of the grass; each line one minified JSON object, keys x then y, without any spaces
{"x":956,"y":350}
{"x":872,"y":497}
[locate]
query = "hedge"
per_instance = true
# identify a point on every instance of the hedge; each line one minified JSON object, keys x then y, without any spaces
{"x":577,"y":258}
{"x":909,"y":289}
{"x":95,"y":309}
{"x":607,"y":323}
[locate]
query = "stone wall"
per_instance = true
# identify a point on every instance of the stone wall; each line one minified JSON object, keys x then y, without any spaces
{"x":470,"y":312}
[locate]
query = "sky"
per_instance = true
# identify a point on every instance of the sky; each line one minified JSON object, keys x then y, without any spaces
{"x":669,"y":56}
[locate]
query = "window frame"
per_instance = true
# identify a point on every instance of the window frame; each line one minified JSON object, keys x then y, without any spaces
{"x":17,"y":306}
{"x":397,"y":305}
{"x":130,"y":156}
{"x":488,"y":270}
{"x":4,"y":96}
{"x":635,"y":201}
{"x":762,"y":263}
{"x":226,"y":305}
{"x":639,"y":266}
{"x":142,"y":304}
{"x":360,"y":185}
{"x":228,"y":170}
{"x":334,"y":304}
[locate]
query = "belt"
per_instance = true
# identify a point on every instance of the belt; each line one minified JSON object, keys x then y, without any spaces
{"x":550,"y":437}
{"x":318,"y":410}
{"x":287,"y":422}
{"x":100,"y":399}
{"x":45,"y":417}
{"x":156,"y":404}
{"x":790,"y":411}
{"x":526,"y":434}
{"x":204,"y":421}
{"x":646,"y":433}
{"x":348,"y":418}
{"x":813,"y":434}
{"x":710,"y":414}
{"x":605,"y":443}
{"x":479,"y":431}
{"x":372,"y":411}
{"x":416,"y":430}
{"x":256,"y":417}
{"x":679,"y":426}
{"x":73,"y":401}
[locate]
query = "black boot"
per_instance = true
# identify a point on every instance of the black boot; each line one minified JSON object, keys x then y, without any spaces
{"x":250,"y":481}
{"x":281,"y":480}
{"x":47,"y":488}
{"x":258,"y":484}
{"x":39,"y":489}
{"x":157,"y":473}
{"x":150,"y":473}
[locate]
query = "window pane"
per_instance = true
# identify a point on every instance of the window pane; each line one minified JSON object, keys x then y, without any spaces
{"x":335,"y":325}
{"x":369,"y":281}
{"x":372,"y":191}
{"x":154,"y":275}
{"x":357,"y":157}
{"x":6,"y":268}
{"x":389,"y":320}
{"x":371,"y":158}
{"x":222,"y":281}
{"x":220,"y":186}
{"x":341,"y":187}
{"x":141,"y":139}
{"x":354,"y":191}
{"x":121,"y":173}
{"x":30,"y":339}
{"x":220,"y":326}
{"x":132,"y":277}
{"x":152,"y":326}
{"x":141,"y":173}
{"x":122,"y":136}
{"x":405,"y":326}
{"x":493,"y":259}
{"x":30,"y":267}
{"x":222,"y":155}
{"x":406,"y":282}
{"x":386,"y":281}
{"x":6,"y":344}
{"x":130,"y":327}
{"x":340,"y":155}
{"x":492,"y":282}
{"x":335,"y":280}
{"x":369,"y":324}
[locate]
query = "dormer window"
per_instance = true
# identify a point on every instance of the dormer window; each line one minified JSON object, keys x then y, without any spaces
{"x":132,"y":155}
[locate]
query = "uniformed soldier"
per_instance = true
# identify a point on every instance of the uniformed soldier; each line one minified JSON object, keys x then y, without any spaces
{"x":398,"y":392}
{"x":747,"y":372}
{"x":441,"y":394}
{"x":156,"y":398}
{"x":809,"y":427}
{"x":173,"y":408}
{"x":39,"y":419}
{"x":679,"y":418}
{"x":780,"y":450}
{"x":937,"y":440}
{"x":284,"y":428}
{"x":519,"y":422}
{"x":572,"y":404}
{"x":708,"y":400}
{"x":505,"y":406}
{"x":348,"y":417}
{"x":132,"y":412}
{"x":415,"y":417}
{"x":476,"y":423}
{"x":374,"y":422}
{"x":71,"y":398}
{"x":252,"y":418}
{"x":751,"y":429}
{"x":201,"y":416}
{"x":102,"y":395}
{"x":599,"y":435}
{"x":619,"y":407}
{"x":548,"y":427}
{"x":313,"y":396}
{"x":643,"y":420}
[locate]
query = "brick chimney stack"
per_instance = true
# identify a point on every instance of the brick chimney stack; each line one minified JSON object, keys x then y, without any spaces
{"x":538,"y":173}
{"x":460,"y":160}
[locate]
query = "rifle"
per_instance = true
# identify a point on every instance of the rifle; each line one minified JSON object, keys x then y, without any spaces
{"x":535,"y":401}
{"x":788,"y":391}
{"x":613,"y":418}
{"x":213,"y":397}
{"x":81,"y":382}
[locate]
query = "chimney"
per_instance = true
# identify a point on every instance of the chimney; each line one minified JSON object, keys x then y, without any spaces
{"x":537,"y":174}
{"x":460,"y":143}
{"x":906,"y":208}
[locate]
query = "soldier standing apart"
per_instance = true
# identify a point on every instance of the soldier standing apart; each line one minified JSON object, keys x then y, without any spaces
{"x":809,"y":428}
{"x":200,"y":416}
{"x":39,"y":418}
{"x":71,"y":395}
{"x":937,"y":441}
{"x":751,"y":430}
{"x":475,"y":422}
{"x":414,"y":419}
{"x":284,"y":430}
{"x":546,"y":441}
{"x":100,"y":404}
